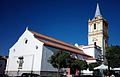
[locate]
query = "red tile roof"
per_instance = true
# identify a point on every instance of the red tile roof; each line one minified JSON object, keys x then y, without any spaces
{"x":90,"y":59}
{"x":48,"y":41}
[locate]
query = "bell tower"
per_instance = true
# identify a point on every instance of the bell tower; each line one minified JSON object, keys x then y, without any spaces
{"x":98,"y":31}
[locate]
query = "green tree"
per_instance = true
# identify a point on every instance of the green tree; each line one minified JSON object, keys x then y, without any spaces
{"x":62,"y":59}
{"x":78,"y":64}
{"x":92,"y":66}
{"x":113,"y":56}
{"x":58,"y":60}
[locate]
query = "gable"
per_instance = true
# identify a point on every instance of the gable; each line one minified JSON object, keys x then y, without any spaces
{"x":26,"y":43}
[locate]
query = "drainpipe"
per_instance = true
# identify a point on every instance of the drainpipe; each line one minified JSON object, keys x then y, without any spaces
{"x":32,"y":64}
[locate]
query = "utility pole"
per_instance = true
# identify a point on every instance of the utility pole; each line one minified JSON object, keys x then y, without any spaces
{"x":109,"y":67}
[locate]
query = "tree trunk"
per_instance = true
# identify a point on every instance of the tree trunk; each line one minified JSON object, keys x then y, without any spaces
{"x":58,"y":71}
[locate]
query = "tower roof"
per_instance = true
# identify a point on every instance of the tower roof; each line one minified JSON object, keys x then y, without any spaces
{"x":97,"y":13}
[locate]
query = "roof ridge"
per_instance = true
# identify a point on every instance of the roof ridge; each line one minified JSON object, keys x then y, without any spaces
{"x":49,"y":41}
{"x":54,"y":40}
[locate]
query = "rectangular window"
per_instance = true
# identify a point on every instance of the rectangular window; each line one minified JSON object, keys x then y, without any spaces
{"x":94,"y":26}
{"x":94,"y":43}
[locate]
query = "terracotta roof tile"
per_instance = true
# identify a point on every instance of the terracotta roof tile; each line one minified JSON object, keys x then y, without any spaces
{"x":90,"y":58}
{"x":58,"y":44}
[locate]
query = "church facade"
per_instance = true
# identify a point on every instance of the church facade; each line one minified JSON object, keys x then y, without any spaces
{"x":31,"y":52}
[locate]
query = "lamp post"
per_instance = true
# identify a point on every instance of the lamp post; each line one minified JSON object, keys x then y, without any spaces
{"x":108,"y":67}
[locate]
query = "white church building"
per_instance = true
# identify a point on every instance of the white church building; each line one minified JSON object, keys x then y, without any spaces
{"x":31,"y":52}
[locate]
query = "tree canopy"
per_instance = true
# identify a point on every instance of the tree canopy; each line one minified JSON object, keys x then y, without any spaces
{"x":58,"y":59}
{"x":92,"y":66}
{"x":113,"y":56}
{"x":78,"y":64}
{"x":62,"y":59}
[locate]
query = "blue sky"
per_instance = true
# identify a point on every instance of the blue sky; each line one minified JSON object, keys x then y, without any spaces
{"x":65,"y":20}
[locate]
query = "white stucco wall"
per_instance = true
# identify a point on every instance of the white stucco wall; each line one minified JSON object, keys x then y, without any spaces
{"x":32,"y":56}
{"x":47,"y":53}
{"x":89,"y":51}
{"x":93,"y":51}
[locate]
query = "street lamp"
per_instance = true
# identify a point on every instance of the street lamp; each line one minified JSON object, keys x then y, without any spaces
{"x":108,"y":66}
